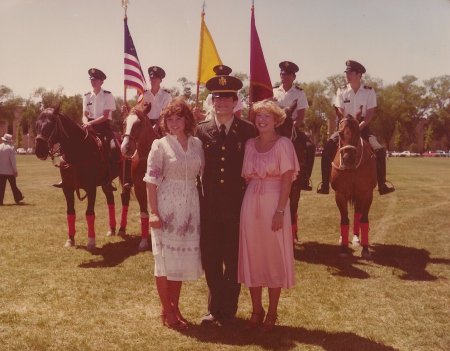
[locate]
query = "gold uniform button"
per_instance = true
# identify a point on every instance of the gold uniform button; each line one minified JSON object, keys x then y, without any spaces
{"x":222,"y":181}
{"x":223,"y":147}
{"x":222,"y":169}
{"x":222,"y":158}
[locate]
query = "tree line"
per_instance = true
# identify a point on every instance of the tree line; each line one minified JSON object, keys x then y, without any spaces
{"x":411,"y":115}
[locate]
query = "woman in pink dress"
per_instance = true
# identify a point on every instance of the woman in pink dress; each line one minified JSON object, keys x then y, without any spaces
{"x":266,"y":257}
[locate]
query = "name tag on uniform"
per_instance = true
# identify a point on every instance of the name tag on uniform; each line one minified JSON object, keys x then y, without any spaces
{"x":346,"y":101}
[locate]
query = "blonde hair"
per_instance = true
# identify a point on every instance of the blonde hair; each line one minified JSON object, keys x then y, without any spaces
{"x":271,"y":107}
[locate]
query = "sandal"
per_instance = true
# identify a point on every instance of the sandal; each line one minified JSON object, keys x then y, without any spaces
{"x":269,"y":323}
{"x":256,"y":319}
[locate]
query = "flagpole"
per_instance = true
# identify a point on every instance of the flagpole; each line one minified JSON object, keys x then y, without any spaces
{"x":125,"y":7}
{"x":250,"y":88}
{"x":200,"y":54}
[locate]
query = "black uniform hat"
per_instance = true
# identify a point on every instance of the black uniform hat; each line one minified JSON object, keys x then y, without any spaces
{"x":288,"y":67}
{"x":155,"y":71}
{"x":223,"y":85}
{"x":353,"y":66}
{"x":95,"y":73}
{"x":222,"y":70}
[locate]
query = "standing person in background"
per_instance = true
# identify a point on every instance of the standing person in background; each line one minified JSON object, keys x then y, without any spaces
{"x":293,"y":100}
{"x":223,"y":138}
{"x":174,"y":163}
{"x":8,"y":169}
{"x":266,"y":255}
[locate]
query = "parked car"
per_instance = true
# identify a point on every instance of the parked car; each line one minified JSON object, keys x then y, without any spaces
{"x":437,"y":153}
{"x":21,"y":151}
{"x":407,"y":153}
{"x":395,"y":153}
{"x":319,"y":151}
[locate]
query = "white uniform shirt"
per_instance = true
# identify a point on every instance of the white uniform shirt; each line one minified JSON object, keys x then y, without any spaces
{"x":286,"y":98}
{"x":350,"y":101}
{"x":95,"y":105}
{"x":158,"y":101}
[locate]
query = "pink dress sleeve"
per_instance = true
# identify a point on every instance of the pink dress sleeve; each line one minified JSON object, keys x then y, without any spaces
{"x":287,"y":157}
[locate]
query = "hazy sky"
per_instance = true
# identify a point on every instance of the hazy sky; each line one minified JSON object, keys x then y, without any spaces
{"x":52,"y":43}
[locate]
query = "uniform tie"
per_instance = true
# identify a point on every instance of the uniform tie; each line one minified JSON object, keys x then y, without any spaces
{"x":223,"y":133}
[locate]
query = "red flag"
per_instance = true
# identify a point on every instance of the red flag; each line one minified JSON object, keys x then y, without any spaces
{"x":260,"y":84}
{"x":133,"y":75}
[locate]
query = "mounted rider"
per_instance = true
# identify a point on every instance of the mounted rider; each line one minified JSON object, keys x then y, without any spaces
{"x":353,"y":99}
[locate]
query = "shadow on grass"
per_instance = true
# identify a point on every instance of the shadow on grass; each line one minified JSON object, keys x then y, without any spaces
{"x":283,"y":338}
{"x":409,"y":263}
{"x":328,"y":255}
{"x":113,"y":253}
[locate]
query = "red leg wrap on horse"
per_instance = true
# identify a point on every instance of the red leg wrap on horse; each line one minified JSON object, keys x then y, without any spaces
{"x":90,"y":219}
{"x":123,"y":218}
{"x":144,"y":227}
{"x":364,"y":234}
{"x":356,"y":219}
{"x":71,"y":224}
{"x":344,"y":234}
{"x":112,"y":216}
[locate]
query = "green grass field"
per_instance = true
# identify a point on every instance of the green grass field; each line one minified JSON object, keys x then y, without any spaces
{"x":52,"y":298}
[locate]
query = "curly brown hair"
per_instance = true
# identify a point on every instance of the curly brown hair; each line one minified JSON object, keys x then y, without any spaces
{"x":179,"y":107}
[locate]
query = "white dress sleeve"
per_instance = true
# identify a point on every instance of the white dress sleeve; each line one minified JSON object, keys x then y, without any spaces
{"x":155,"y":164}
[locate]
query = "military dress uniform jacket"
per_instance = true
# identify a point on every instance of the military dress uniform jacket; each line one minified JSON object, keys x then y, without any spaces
{"x":223,"y":187}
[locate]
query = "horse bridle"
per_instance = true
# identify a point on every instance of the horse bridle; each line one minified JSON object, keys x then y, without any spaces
{"x":351,"y":147}
{"x":49,"y":140}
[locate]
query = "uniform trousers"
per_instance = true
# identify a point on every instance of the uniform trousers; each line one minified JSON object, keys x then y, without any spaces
{"x":219,"y":246}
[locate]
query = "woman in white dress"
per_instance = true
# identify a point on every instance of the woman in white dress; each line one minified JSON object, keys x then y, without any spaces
{"x":173,"y":164}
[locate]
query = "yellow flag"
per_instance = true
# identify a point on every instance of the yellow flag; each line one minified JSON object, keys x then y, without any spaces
{"x":208,"y":56}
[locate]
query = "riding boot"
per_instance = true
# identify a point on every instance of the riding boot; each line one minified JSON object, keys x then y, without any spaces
{"x":305,"y":173}
{"x":327,"y":156}
{"x":127,"y":181}
{"x":383,"y":188}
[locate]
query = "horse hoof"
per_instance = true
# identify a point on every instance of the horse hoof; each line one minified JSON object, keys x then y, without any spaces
{"x":143,"y":245}
{"x":344,"y":251}
{"x":355,"y":241}
{"x":111,"y":232}
{"x":122,"y":231}
{"x":90,"y":245}
{"x":366,"y":255}
{"x":70,"y":242}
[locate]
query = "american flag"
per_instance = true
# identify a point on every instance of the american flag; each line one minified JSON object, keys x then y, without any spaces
{"x":133,"y":76}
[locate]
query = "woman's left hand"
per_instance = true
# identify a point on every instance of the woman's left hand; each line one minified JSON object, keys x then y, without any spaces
{"x":277,"y":221}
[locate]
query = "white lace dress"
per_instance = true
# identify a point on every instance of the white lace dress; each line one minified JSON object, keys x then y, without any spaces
{"x":176,"y":246}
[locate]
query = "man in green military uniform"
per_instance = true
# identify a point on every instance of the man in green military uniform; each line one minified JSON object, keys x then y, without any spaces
{"x":223,"y":138}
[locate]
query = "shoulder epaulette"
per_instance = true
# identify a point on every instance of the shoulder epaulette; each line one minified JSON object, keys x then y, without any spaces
{"x":106,"y":92}
{"x":367,"y":87}
{"x":298,"y":88}
{"x":167,"y":91}
{"x":276,"y":86}
{"x":88,"y":93}
{"x":245,"y":121}
{"x":202,"y":122}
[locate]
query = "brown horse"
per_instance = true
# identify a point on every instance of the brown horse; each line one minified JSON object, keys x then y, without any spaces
{"x":84,"y":166}
{"x":353,"y":178}
{"x":136,"y":144}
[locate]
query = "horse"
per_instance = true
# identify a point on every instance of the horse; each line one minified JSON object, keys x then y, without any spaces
{"x":353,"y":178}
{"x":137,"y":140}
{"x":84,"y":166}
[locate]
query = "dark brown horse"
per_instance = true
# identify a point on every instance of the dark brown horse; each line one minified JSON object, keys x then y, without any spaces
{"x":353,"y":178}
{"x":136,"y":144}
{"x":84,"y":166}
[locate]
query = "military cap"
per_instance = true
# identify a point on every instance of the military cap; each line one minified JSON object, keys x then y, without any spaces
{"x":223,"y":85}
{"x":288,"y":67}
{"x":222,"y":70}
{"x":95,"y":73}
{"x":353,"y":66}
{"x":155,"y":71}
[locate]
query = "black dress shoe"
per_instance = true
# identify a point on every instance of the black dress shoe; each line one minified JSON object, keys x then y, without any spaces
{"x":384,"y":189}
{"x":21,"y":199}
{"x":306,"y":187}
{"x":209,"y":319}
{"x":324,"y":188}
{"x":58,"y":185}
